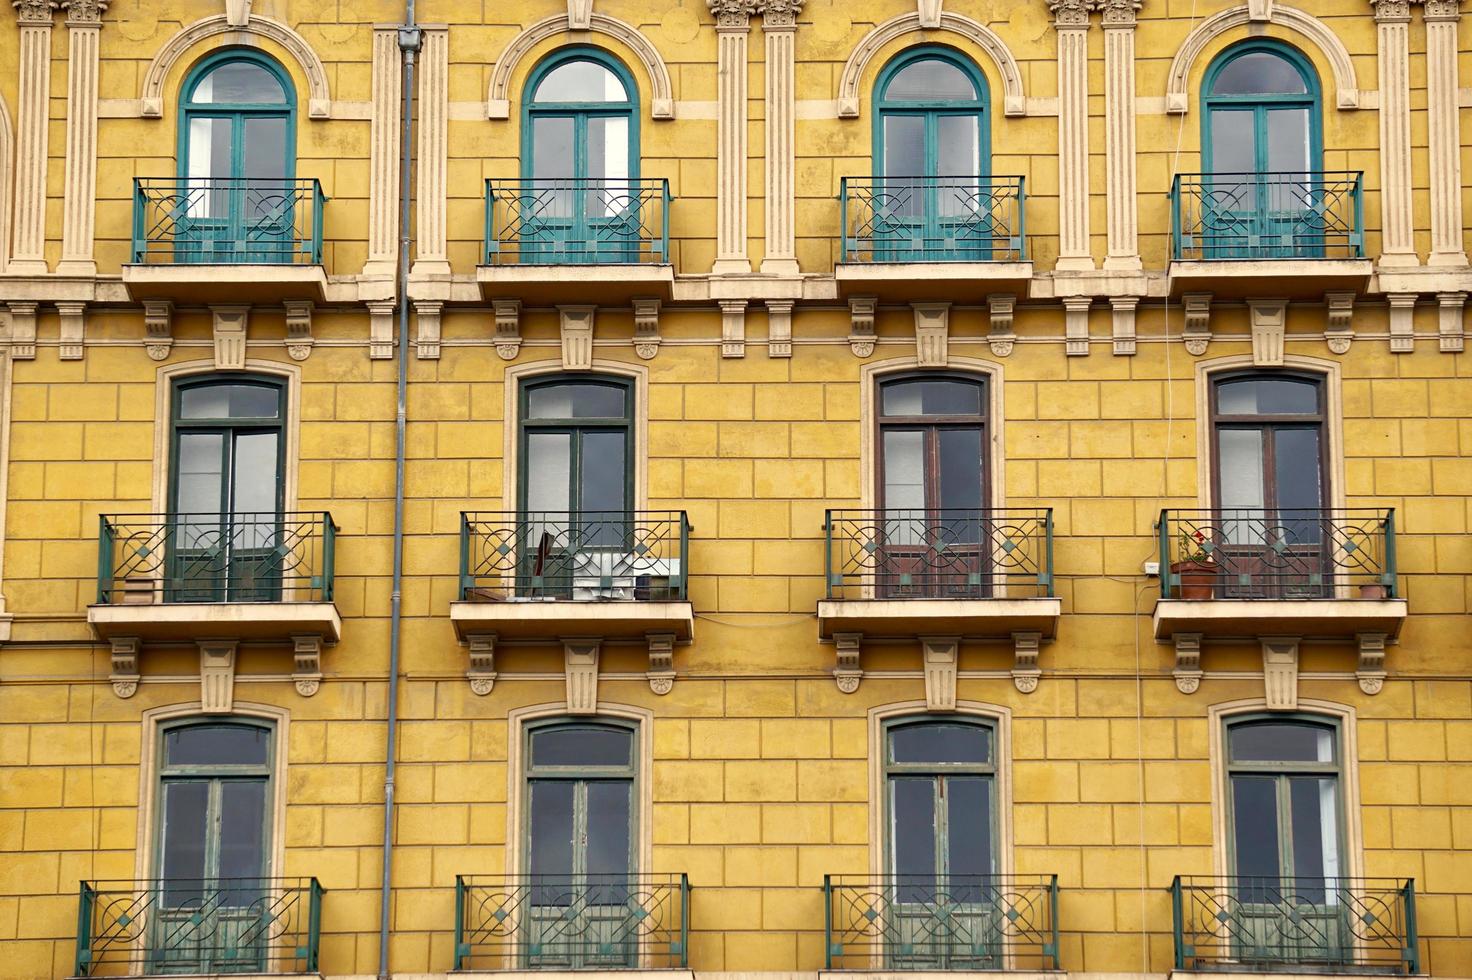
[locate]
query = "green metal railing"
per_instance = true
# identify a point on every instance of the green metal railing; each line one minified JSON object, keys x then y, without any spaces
{"x":220,"y":221}
{"x":148,"y":558}
{"x":578,"y":221}
{"x":596,"y":556}
{"x":953,"y":553}
{"x":1292,"y":553}
{"x":1268,"y":216}
{"x":176,"y":925}
{"x":1309,"y":925}
{"x":543,"y":922}
{"x":941,"y":922}
{"x":933,"y":219}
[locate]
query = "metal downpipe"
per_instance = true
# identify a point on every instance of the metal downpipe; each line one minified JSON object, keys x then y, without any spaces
{"x":409,"y":44}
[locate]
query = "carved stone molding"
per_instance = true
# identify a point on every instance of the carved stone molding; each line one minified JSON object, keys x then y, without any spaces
{"x":1259,"y":11}
{"x":498,"y":100}
{"x":508,"y":327}
{"x":1444,"y":132}
{"x":1450,"y":330}
{"x":158,"y":327}
{"x":482,"y":672}
{"x":1280,"y":672}
{"x":646,"y":328}
{"x":216,"y":676}
{"x":938,"y":654}
{"x":427,"y":313}
{"x":733,"y":327}
{"x":1197,"y":331}
{"x":1071,"y":23}
{"x":306,"y":663}
{"x":1442,"y":10}
{"x":381,"y":329}
{"x":1269,"y":318}
{"x":1076,"y":325}
{"x":79,"y":204}
{"x":319,"y":98}
{"x":1187,"y":672}
{"x":299,"y":340}
{"x":849,"y":670}
{"x":932,"y":329}
{"x":576,"y":328}
{"x":1001,"y":307}
{"x":732,"y":13}
{"x":1118,"y":13}
{"x":1402,"y":322}
{"x":1339,"y":321}
{"x":779,"y":327}
{"x":928,"y":13}
{"x":237,"y":12}
{"x":386,"y":85}
{"x":1393,"y":61}
{"x":230,"y":326}
{"x":579,"y":14}
{"x":661,"y":673}
{"x":580,"y":664}
{"x":431,"y":260}
{"x":861,"y":324}
{"x":73,"y":317}
{"x":779,"y":29}
{"x":1370,"y":671}
{"x":1070,"y":13}
{"x":22,"y":329}
{"x":1025,"y":670}
{"x":32,"y":139}
{"x":1123,"y":311}
{"x":1121,"y":163}
{"x":732,"y":24}
{"x":1392,"y":11}
{"x":34,"y":12}
{"x":124,"y":676}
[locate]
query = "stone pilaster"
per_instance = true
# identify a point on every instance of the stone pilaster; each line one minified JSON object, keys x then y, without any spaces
{"x":430,"y":258}
{"x":1398,"y":247}
{"x":79,"y":207}
{"x":779,"y":27}
{"x":1445,"y":131}
{"x":733,"y":24}
{"x":1118,"y":19}
{"x":383,"y":156}
{"x":1071,"y":21}
{"x":28,"y":256}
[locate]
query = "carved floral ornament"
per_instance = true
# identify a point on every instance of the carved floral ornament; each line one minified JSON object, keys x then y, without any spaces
{"x":85,"y":11}
{"x":738,"y":13}
{"x":1075,"y":13}
{"x":33,"y":11}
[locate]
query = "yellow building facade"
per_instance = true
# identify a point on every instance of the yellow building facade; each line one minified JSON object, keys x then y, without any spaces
{"x":891,"y":486}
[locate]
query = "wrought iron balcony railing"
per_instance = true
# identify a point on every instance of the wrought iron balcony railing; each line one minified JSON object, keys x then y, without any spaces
{"x":1268,"y":216}
{"x":933,"y":219}
{"x":542,"y":922}
{"x":594,"y":556}
{"x":578,"y":221}
{"x":149,"y":558}
{"x":225,"y":221}
{"x":953,"y":553}
{"x":178,"y":925}
{"x":941,"y":922}
{"x":1305,"y":553}
{"x":1309,"y":925}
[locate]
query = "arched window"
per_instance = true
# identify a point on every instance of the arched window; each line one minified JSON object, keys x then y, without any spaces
{"x":237,"y":161}
{"x":580,"y":160}
{"x":1262,"y":147}
{"x":932,"y":151}
{"x":227,"y":489}
{"x":212,"y":828}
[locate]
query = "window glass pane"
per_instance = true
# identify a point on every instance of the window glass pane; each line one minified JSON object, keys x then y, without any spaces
{"x":608,"y":147}
{"x":904,"y":156}
{"x":1255,"y":826}
{"x":209,"y":157}
{"x":1259,"y":73}
{"x":968,"y":828}
{"x":960,"y":468}
{"x":239,"y":82}
{"x":264,"y":156}
{"x":216,"y":745}
{"x":1288,"y":153}
{"x":549,"y":471}
{"x":582,"y":747}
{"x":576,"y":401}
{"x":581,"y":81}
{"x":186,"y":813}
{"x":930,"y":80}
{"x":1296,"y":462}
{"x":1241,"y":469}
{"x":1233,"y":151}
{"x":552,"y":159}
{"x":958,"y":153}
{"x":1314,"y":822}
{"x":912,"y":834}
{"x":218,"y":401}
{"x":551,"y":830}
{"x":608,"y":828}
{"x":941,"y":743}
{"x":242,"y":830}
{"x":255,"y":476}
{"x":904,"y":485}
{"x":1276,"y":741}
{"x":932,"y":398}
{"x":201,"y":473}
{"x":604,"y":477}
{"x":1267,"y":396}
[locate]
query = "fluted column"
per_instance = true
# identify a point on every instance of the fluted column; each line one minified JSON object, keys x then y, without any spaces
{"x":1398,"y":246}
{"x":779,"y":27}
{"x":430,"y":258}
{"x":1119,"y":132}
{"x":1071,"y":20}
{"x":28,"y":256}
{"x":79,"y":206}
{"x":383,"y":157}
{"x":1445,"y":131}
{"x":733,"y":24}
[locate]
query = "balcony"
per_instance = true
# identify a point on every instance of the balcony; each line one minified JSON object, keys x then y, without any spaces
{"x":208,"y":240}
{"x":188,"y":926}
{"x":544,"y":238}
{"x":557,"y":924}
{"x":191,"y":577}
{"x":1295,"y":925}
{"x":931,"y":923}
{"x":908,"y":573}
{"x":953,"y":238}
{"x":1286,"y":235}
{"x":1305,"y":573}
{"x":546,"y":574}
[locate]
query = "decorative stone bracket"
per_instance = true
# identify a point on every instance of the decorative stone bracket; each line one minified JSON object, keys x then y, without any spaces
{"x":861,"y":324}
{"x":427,"y":314}
{"x":1025,"y":670}
{"x":661,"y":671}
{"x":217,"y":669}
{"x":733,"y":327}
{"x":1402,"y":323}
{"x":938,"y":654}
{"x":1269,"y":319}
{"x":73,"y":329}
{"x":849,"y":670}
{"x":1076,"y":325}
{"x":482,"y":672}
{"x":1339,"y":321}
{"x":646,"y":328}
{"x":22,"y":330}
{"x":1197,"y":332}
{"x":1188,"y":662}
{"x":779,"y":327}
{"x":1371,"y":669}
{"x":158,"y":326}
{"x":1123,"y":311}
{"x":299,"y":340}
{"x":508,"y":327}
{"x":932,"y":332}
{"x":124,"y":676}
{"x":230,"y":327}
{"x":1001,"y":307}
{"x":381,"y":330}
{"x":217,"y":676}
{"x":580,"y":664}
{"x":307,"y":660}
{"x":576,"y":327}
{"x":1280,"y":672}
{"x":1449,"y":325}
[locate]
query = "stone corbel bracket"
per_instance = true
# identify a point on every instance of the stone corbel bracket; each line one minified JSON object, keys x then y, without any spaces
{"x":938,"y":655}
{"x":73,"y":317}
{"x":381,"y":330}
{"x":932,"y":333}
{"x":1269,"y":319}
{"x":646,"y":328}
{"x":306,"y":663}
{"x":1076,"y":325}
{"x":1197,"y":332}
{"x":22,"y":330}
{"x":237,"y":12}
{"x":508,"y":328}
{"x":299,"y":340}
{"x":158,"y":328}
{"x":1402,"y":323}
{"x":576,"y":325}
{"x":482,"y":672}
{"x":580,"y":664}
{"x":1371,"y":669}
{"x":230,"y":327}
{"x":661,"y":673}
{"x":1001,"y":307}
{"x":861,"y":324}
{"x":733,"y":327}
{"x":217,"y":676}
{"x":779,"y":327}
{"x":1451,"y":333}
{"x":1123,"y":310}
{"x":427,"y":314}
{"x":1187,"y":672}
{"x":124,"y":676}
{"x":1280,"y":672}
{"x":1339,"y":321}
{"x":848,"y":670}
{"x":1025,"y":670}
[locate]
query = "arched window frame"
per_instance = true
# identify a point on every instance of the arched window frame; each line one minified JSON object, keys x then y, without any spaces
{"x":189,"y":109}
{"x":1313,"y":100}
{"x":582,"y":772}
{"x":978,"y":106}
{"x":526,"y":425}
{"x":178,"y":424}
{"x":531,"y":109}
{"x":1320,"y":420}
{"x":891,"y":769}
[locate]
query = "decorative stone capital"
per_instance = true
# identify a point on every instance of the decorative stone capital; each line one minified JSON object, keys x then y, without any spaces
{"x":1118,"y":13}
{"x":780,"y":14}
{"x":732,"y":15}
{"x":1070,"y":13}
{"x":1442,"y":11}
{"x":1392,"y":11}
{"x":34,"y":13}
{"x":84,"y":13}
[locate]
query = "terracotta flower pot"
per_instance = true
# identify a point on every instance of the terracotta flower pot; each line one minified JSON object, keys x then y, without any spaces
{"x":1373,"y":590}
{"x":1197,"y":578}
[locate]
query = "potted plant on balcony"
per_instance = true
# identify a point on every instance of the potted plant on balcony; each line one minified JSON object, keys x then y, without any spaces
{"x":1194,"y":569}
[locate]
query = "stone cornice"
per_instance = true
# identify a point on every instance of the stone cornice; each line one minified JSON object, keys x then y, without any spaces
{"x":34,"y":13}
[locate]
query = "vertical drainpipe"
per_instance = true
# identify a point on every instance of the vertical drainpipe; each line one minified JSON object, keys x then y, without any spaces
{"x":409,"y":42}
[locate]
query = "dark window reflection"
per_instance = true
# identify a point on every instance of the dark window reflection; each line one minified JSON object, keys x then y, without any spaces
{"x":940,"y":743}
{"x":1281,"y":742}
{"x":582,"y":747}
{"x":216,"y":745}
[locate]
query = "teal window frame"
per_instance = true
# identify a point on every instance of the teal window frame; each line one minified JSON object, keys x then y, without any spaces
{"x":576,"y":427}
{"x":937,"y":771}
{"x":1260,"y":104}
